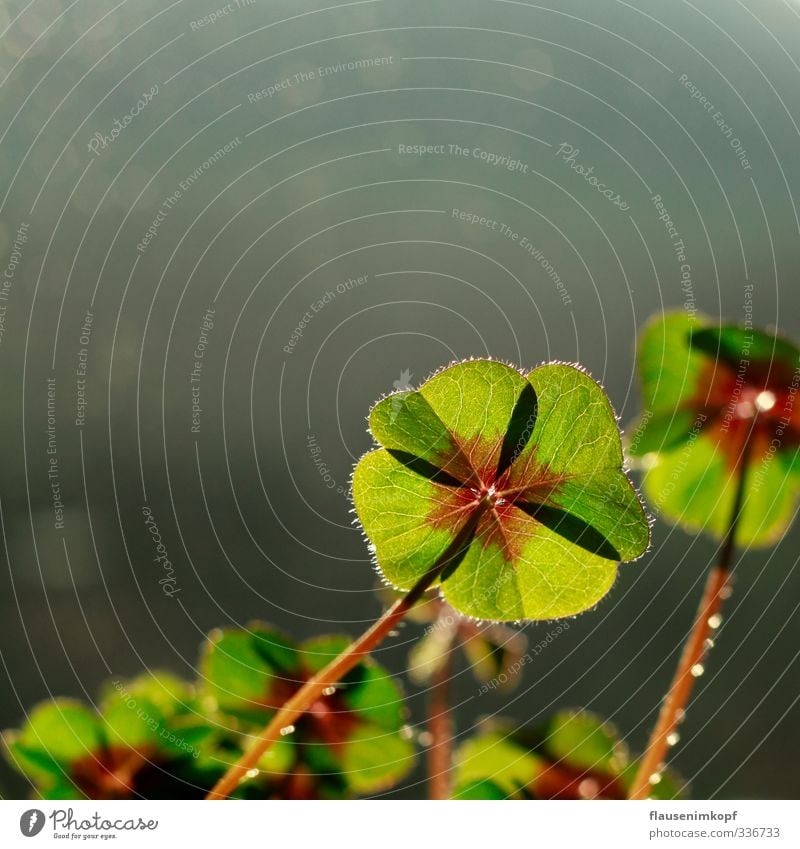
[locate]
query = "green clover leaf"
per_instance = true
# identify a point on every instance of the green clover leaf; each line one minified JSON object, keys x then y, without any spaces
{"x":353,"y":737}
{"x":706,"y":388}
{"x":143,"y":740}
{"x":574,"y":755}
{"x":527,"y":468}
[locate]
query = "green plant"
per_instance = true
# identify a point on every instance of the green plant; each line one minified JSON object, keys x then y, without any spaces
{"x":526,"y":469}
{"x":495,"y":653}
{"x":505,"y":490}
{"x":145,"y":736}
{"x":573,"y":755}
{"x":718,"y":442}
{"x":492,"y":497}
{"x":160,"y":737}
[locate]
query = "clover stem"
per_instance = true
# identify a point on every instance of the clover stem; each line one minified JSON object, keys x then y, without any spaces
{"x":314,"y":688}
{"x":707,"y":619}
{"x":440,"y":727}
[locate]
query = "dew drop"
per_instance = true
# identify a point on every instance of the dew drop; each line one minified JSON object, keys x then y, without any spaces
{"x":672,"y":739}
{"x":714,"y":621}
{"x":406,"y":732}
{"x":680,"y":715}
{"x":697,"y":670}
{"x":425,"y":739}
{"x":329,"y":691}
{"x":708,"y":644}
{"x":394,"y":633}
{"x":289,"y":729}
{"x":655,"y":778}
{"x":649,"y":460}
{"x":765,"y":401}
{"x":251,"y":773}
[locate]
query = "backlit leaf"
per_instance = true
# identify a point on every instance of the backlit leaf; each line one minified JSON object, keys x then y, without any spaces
{"x":142,"y":742}
{"x":527,"y":468}
{"x":705,"y":388}
{"x":65,"y":729}
{"x":575,"y":755}
{"x":373,"y":760}
{"x":352,"y":735}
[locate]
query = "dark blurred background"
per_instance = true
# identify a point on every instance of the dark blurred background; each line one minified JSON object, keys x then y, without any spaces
{"x":270,"y":183}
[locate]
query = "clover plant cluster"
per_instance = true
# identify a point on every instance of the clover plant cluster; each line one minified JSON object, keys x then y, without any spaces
{"x":493,"y":497}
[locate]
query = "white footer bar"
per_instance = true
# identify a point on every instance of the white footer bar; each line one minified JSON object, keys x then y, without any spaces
{"x":396,"y":824}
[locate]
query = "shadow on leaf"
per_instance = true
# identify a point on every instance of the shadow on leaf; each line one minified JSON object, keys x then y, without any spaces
{"x":572,"y":528}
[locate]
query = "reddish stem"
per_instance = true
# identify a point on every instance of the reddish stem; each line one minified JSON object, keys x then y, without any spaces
{"x":314,"y":688}
{"x":440,"y":727}
{"x":717,"y":590}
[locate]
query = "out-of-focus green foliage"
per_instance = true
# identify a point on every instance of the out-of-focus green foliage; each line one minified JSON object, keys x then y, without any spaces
{"x":574,"y":755}
{"x":157,"y":737}
{"x":706,"y":390}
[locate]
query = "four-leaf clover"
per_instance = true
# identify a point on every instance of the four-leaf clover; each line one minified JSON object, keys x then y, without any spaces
{"x":709,"y":390}
{"x":525,"y":469}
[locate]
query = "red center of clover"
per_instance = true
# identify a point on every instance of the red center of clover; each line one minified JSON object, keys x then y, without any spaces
{"x":753,"y":397}
{"x":495,"y":495}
